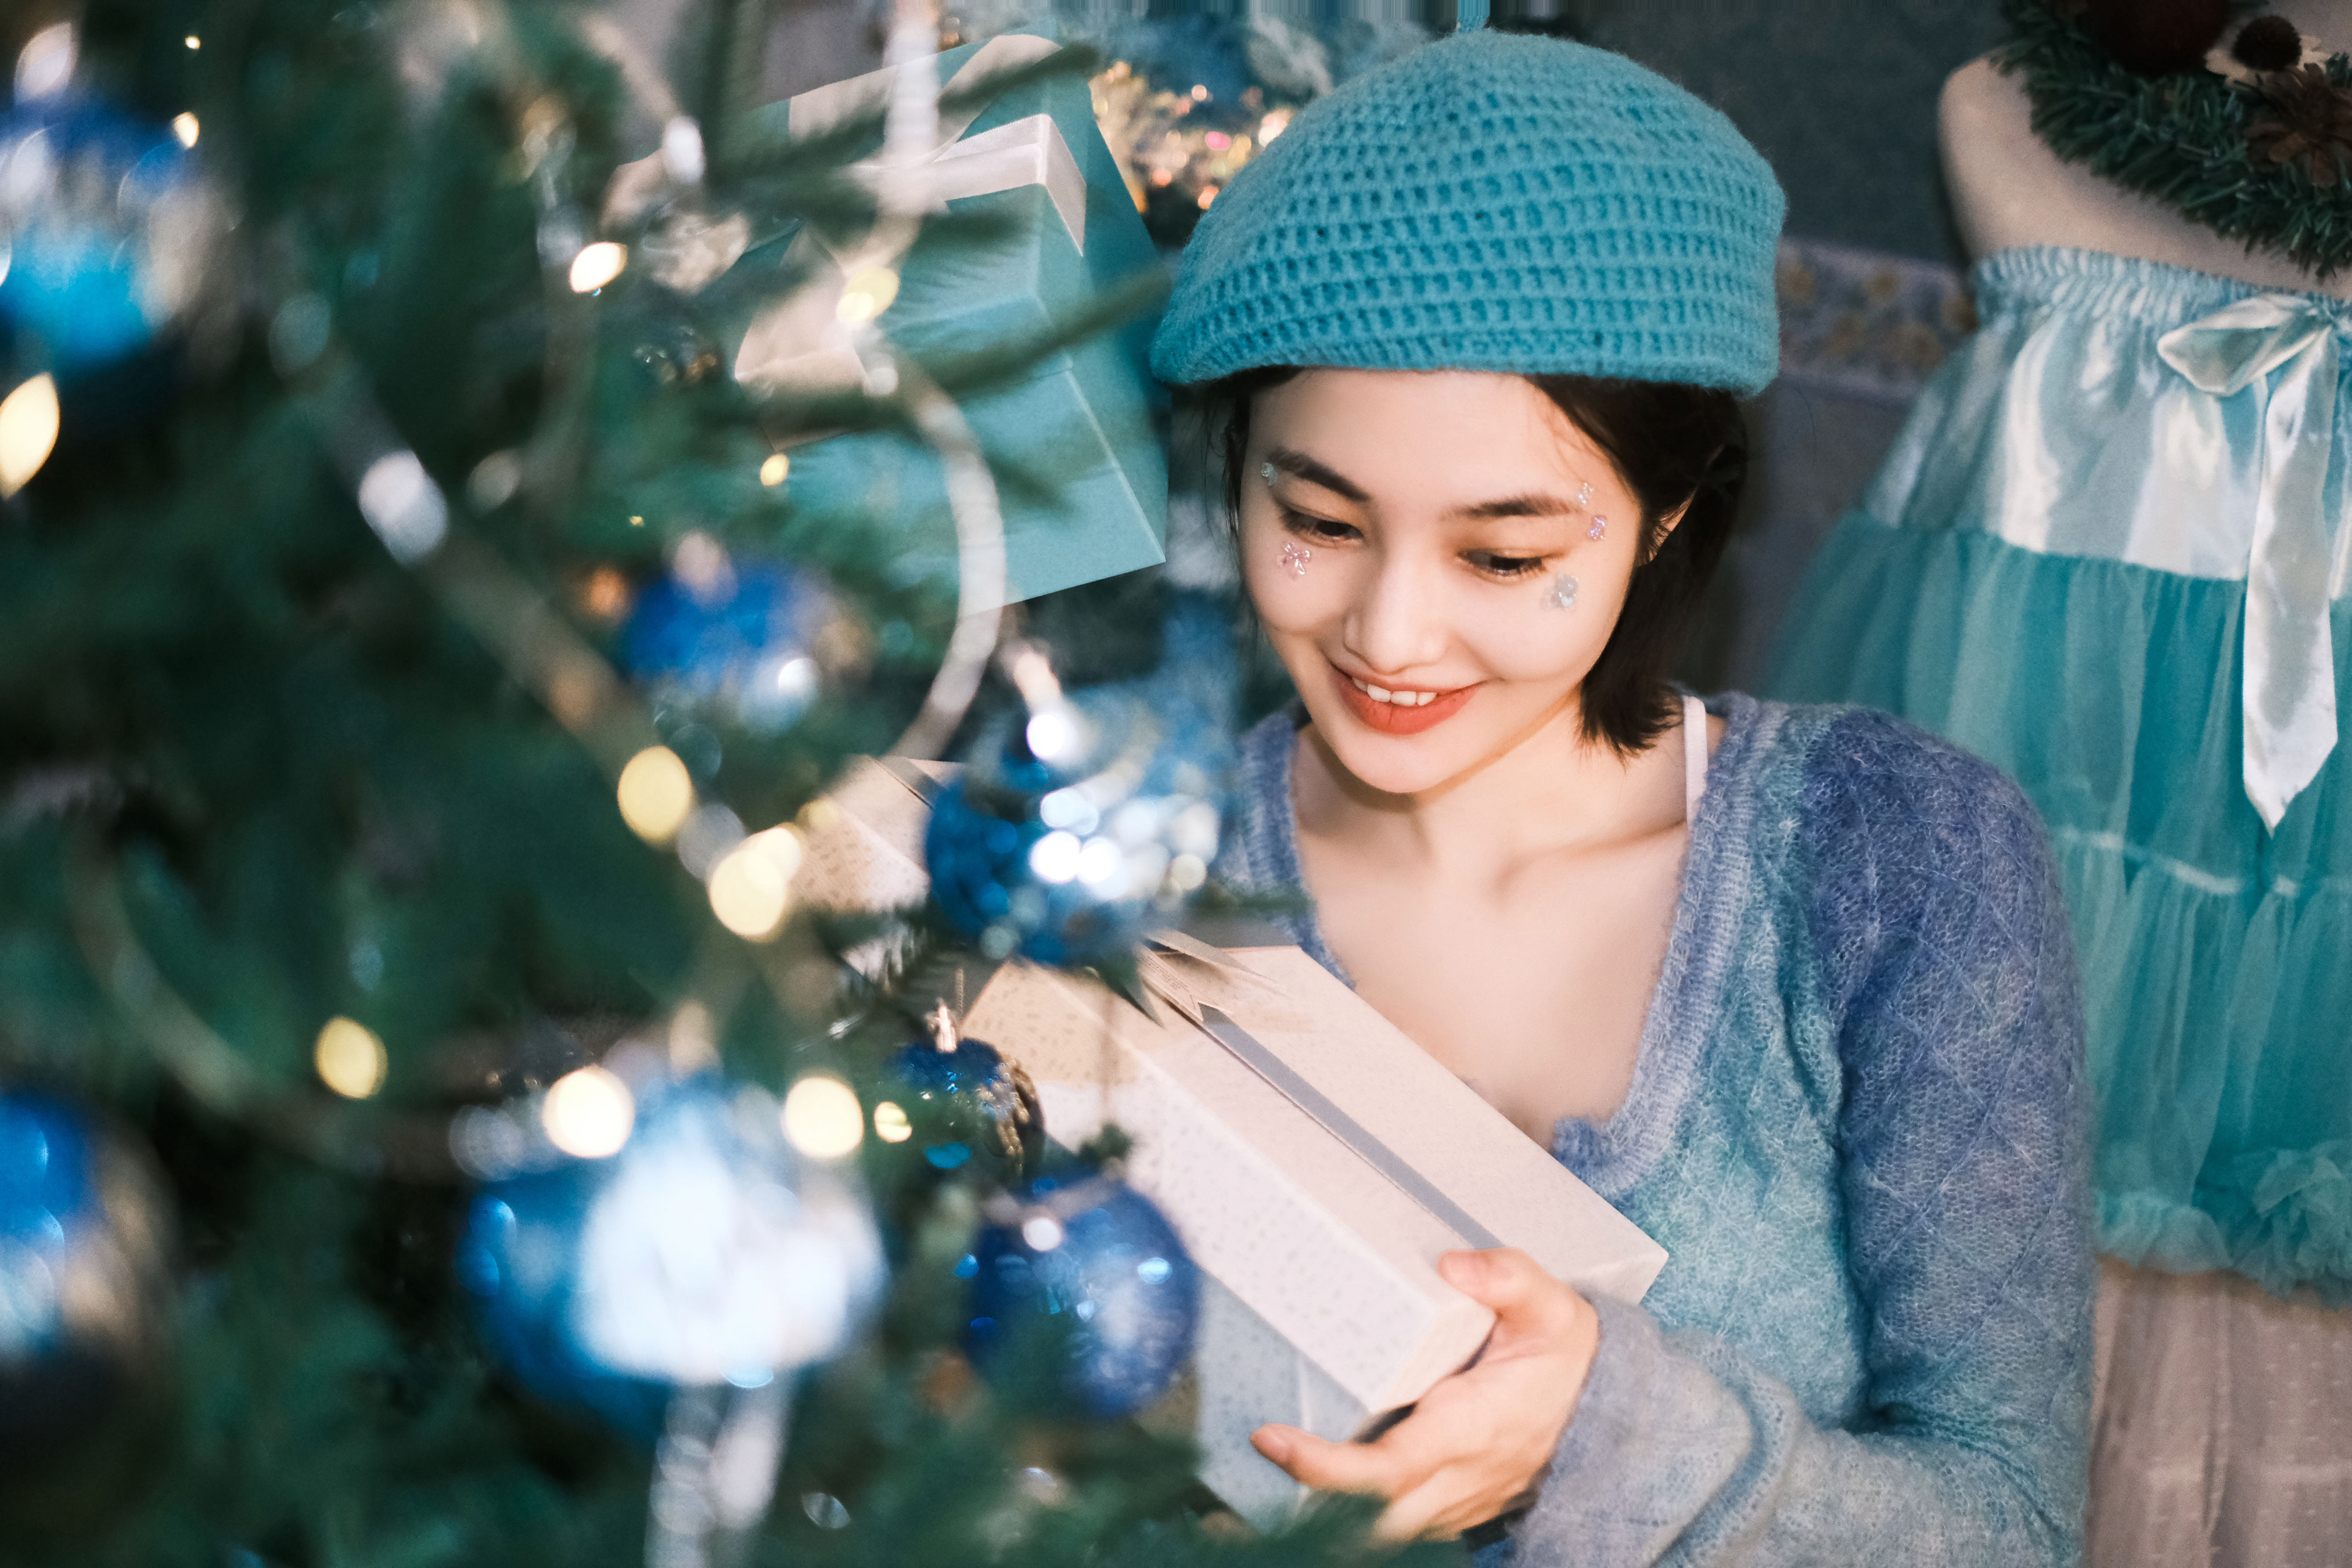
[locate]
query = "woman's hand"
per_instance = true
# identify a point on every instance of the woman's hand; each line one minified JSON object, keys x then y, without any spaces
{"x":1479,"y":1440}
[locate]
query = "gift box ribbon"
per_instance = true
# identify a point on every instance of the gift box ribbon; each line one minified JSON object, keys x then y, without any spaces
{"x":1165,"y":982}
{"x":800,"y":340}
{"x":1162,"y":979}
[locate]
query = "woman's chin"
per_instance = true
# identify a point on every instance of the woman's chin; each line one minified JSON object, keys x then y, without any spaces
{"x":1398,"y":763}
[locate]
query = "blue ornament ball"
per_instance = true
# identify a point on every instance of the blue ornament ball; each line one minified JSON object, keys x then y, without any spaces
{"x":963,"y":1108}
{"x":1071,"y":836}
{"x":109,"y":232}
{"x":704,"y":1251}
{"x":738,"y":639}
{"x":86,"y":1296}
{"x":1086,"y":1249}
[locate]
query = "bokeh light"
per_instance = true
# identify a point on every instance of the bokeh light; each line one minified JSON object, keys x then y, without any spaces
{"x":28,"y":432}
{"x":597,"y":265}
{"x":588,"y":1113}
{"x":186,"y":127}
{"x":350,"y":1059}
{"x":890,"y":1122}
{"x":751,"y":887}
{"x":656,"y":793}
{"x":823,"y":1118}
{"x":774,"y":472}
{"x":45,"y":66}
{"x":867,"y":295}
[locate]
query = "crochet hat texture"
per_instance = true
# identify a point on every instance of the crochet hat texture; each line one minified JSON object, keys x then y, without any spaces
{"x":1491,"y":201}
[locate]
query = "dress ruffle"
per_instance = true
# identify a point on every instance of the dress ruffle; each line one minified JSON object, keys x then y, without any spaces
{"x":2216,"y":958}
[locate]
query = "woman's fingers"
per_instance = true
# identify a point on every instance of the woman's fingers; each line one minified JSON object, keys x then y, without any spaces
{"x":1333,"y":1466}
{"x":1481,"y":1437}
{"x":1416,"y":1513}
{"x":1528,"y":1302}
{"x":1442,"y":1505}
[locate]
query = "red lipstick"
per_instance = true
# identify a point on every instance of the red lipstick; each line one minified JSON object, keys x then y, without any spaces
{"x":1389,"y":717}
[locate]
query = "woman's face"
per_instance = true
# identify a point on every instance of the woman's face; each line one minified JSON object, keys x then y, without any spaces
{"x":1413,"y":544}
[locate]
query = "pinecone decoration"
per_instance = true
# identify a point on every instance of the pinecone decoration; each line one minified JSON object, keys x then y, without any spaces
{"x":2309,"y":125}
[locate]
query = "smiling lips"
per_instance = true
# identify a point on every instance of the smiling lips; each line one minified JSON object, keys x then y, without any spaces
{"x":1397,"y":712}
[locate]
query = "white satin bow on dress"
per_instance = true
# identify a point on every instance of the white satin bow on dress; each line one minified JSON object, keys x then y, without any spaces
{"x":2281,"y":351}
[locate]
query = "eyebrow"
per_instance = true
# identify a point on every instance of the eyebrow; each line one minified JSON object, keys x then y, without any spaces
{"x":1298,"y":465}
{"x":1535,"y":505}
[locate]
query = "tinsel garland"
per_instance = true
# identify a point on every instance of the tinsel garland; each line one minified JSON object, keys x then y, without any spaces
{"x":2179,"y":138}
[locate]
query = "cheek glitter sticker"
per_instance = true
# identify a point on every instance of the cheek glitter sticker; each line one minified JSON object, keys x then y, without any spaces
{"x":1563,"y":592}
{"x":1600,"y":528}
{"x":1296,"y":556}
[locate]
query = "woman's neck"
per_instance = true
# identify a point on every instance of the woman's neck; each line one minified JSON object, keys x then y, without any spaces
{"x":2009,"y":189}
{"x":1554,"y":791}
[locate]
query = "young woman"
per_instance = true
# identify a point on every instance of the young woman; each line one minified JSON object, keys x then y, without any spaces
{"x":1790,"y":987}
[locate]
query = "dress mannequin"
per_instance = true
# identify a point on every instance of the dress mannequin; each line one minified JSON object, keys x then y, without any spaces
{"x":2009,"y":189}
{"x":2220,"y":1437}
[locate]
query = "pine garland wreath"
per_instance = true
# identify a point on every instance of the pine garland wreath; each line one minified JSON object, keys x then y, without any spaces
{"x":2180,"y":139}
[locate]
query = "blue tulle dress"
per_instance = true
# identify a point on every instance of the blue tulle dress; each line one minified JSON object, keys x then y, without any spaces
{"x":2109,"y":552}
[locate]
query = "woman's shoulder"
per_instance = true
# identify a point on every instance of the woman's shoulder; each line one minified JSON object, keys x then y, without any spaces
{"x":1839,"y":772}
{"x":1901,"y":843}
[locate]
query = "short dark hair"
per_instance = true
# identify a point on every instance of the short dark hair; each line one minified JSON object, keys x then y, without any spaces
{"x":1678,"y":448}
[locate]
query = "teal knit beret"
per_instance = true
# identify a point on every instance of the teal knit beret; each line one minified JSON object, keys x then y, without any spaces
{"x":1491,"y":201}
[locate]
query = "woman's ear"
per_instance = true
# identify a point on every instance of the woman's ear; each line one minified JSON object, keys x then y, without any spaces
{"x":1666,"y":527}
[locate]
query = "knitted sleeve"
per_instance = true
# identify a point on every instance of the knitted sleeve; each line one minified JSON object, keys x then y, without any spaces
{"x":1940,"y":944}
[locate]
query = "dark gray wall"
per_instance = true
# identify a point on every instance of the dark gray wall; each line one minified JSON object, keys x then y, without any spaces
{"x":1839,"y":94}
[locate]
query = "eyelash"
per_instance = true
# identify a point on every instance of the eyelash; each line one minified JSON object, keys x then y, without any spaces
{"x":1510,"y":568}
{"x":1323,"y":531}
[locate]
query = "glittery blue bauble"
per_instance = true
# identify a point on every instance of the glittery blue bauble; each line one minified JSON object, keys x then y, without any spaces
{"x":1090,"y":1250}
{"x":968,"y":1110}
{"x":736,"y":638}
{"x":45,"y":1198}
{"x":704,"y":1251}
{"x":85,"y":1287}
{"x":108,"y":246}
{"x":1065,"y":854}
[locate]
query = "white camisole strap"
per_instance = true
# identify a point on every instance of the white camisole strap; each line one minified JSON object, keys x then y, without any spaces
{"x":1694,"y":755}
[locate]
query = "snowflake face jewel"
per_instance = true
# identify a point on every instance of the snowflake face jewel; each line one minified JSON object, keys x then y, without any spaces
{"x":1265,"y":472}
{"x":1584,"y":493}
{"x":1563,"y":592}
{"x":1600,"y":529}
{"x":1296,"y":556}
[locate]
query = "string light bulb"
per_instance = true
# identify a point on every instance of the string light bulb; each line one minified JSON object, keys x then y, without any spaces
{"x":28,"y":432}
{"x":656,"y":794}
{"x":867,"y":295}
{"x":751,"y":887}
{"x":349,"y":1058}
{"x":588,"y":1113}
{"x":597,"y":265}
{"x":823,"y":1118}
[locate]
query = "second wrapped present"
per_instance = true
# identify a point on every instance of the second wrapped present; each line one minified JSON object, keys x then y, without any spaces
{"x":1038,"y":230}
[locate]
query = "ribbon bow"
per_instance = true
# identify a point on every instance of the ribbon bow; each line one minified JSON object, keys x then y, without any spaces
{"x":802,"y":341}
{"x":1166,"y":984}
{"x":2281,"y":349}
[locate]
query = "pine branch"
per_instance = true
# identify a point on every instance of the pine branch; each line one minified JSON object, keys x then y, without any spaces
{"x":2180,"y":140}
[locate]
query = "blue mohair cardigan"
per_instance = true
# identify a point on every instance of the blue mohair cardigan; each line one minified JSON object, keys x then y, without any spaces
{"x":1857,"y":1124}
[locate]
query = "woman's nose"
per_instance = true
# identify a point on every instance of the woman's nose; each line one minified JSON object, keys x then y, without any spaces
{"x":1394,"y":624}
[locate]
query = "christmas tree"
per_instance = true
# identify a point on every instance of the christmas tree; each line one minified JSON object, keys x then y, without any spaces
{"x":417,"y":661}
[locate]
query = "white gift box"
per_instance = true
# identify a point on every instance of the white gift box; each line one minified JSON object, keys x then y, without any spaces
{"x":1315,"y":1160}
